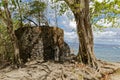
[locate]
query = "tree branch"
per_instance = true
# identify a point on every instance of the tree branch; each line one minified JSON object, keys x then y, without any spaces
{"x":70,"y":2}
{"x":31,"y":21}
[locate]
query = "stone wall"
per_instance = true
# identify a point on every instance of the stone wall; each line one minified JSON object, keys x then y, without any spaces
{"x":39,"y":42}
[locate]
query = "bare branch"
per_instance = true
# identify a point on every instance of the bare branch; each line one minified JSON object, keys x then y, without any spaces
{"x":30,"y":20}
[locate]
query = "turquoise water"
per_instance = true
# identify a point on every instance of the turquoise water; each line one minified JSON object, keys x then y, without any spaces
{"x":107,"y":52}
{"x":104,"y":52}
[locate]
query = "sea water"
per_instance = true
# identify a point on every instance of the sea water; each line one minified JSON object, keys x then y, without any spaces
{"x":106,"y":52}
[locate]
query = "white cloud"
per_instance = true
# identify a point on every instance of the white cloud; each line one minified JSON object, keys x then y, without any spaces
{"x":72,"y":24}
{"x":108,"y":36}
{"x":105,"y":34}
{"x":70,"y":36}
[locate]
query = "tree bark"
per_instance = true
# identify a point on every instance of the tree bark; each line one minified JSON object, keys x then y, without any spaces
{"x":20,"y":14}
{"x":11,"y":33}
{"x":84,"y":31}
{"x":39,"y":19}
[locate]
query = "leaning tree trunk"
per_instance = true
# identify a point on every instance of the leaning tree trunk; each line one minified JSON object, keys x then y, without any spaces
{"x":84,"y":30}
{"x":11,"y":33}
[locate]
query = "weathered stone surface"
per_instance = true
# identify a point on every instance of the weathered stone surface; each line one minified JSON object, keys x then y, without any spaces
{"x":40,"y":43}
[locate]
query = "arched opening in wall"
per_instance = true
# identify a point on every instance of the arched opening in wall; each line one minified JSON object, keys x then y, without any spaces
{"x":107,"y":44}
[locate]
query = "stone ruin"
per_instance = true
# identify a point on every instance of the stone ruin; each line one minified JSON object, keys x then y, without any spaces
{"x":40,"y":43}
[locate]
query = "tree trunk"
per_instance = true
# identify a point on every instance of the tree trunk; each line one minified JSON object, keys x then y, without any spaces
{"x":11,"y":33}
{"x":39,"y":19}
{"x":20,"y":14}
{"x":84,"y":30}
